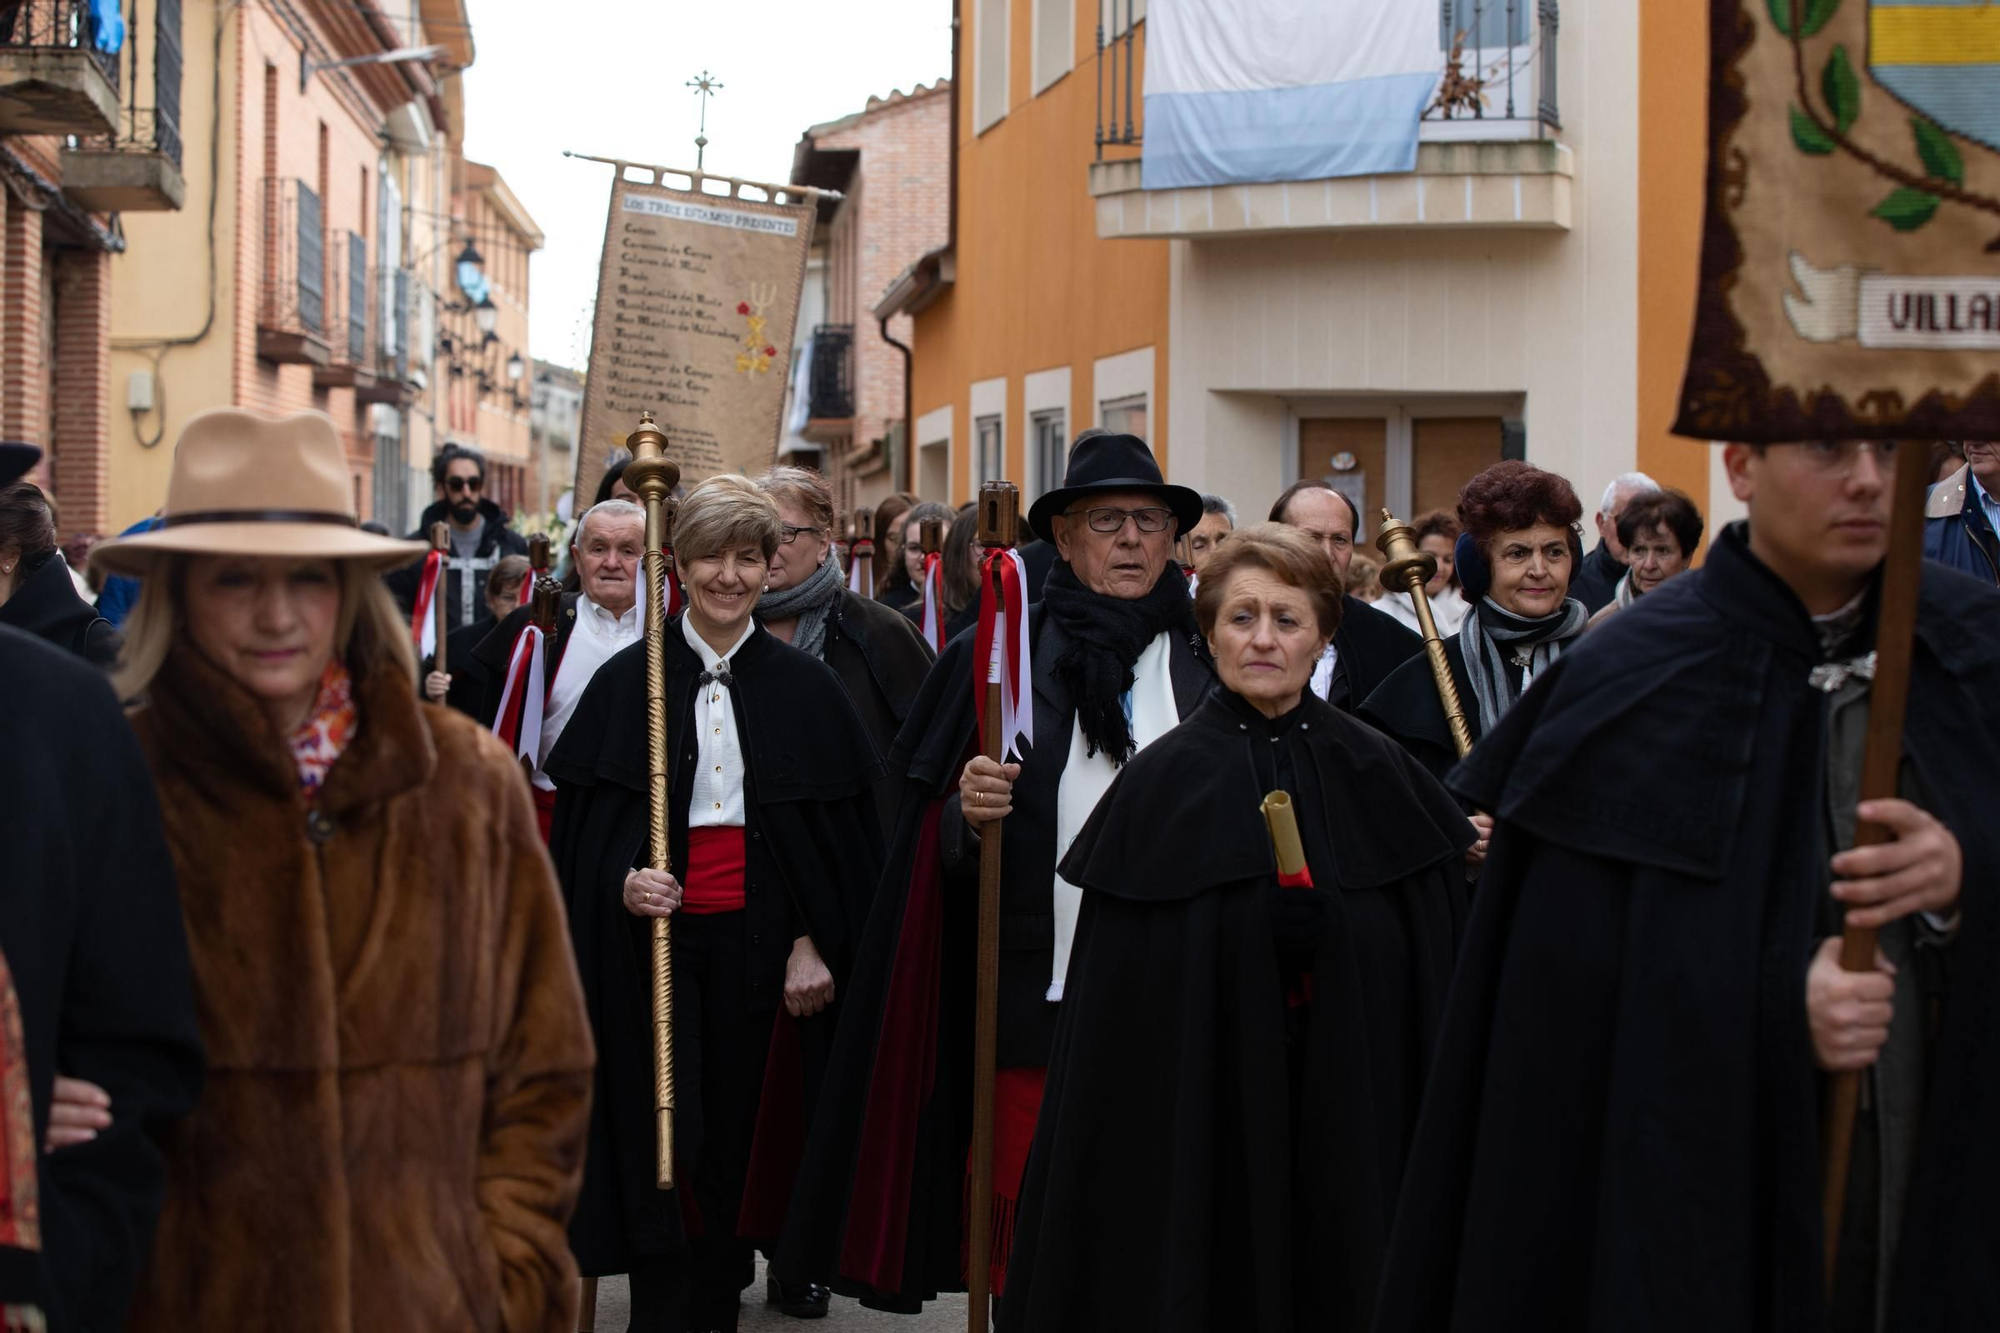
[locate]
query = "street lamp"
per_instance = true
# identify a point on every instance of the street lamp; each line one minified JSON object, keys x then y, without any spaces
{"x":487,"y":316}
{"x":516,"y":368}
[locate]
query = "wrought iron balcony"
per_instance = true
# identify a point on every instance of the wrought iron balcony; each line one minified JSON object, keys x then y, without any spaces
{"x":830,"y":391}
{"x":291,"y":305}
{"x":137,"y":167}
{"x":350,"y":315}
{"x":59,"y":67}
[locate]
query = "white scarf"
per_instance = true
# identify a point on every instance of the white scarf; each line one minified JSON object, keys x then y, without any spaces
{"x":1086,"y":776}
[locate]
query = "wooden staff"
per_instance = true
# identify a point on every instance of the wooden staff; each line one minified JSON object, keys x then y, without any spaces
{"x":441,"y":543}
{"x":1881,"y":759}
{"x":930,"y":536}
{"x":999,"y":516}
{"x":862,"y":549}
{"x":1413,"y":567}
{"x":538,"y":554}
{"x":652,"y":474}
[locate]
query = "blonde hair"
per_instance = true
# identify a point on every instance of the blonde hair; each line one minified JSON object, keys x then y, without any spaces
{"x":805,"y":488}
{"x":724,"y":511}
{"x":370,"y":635}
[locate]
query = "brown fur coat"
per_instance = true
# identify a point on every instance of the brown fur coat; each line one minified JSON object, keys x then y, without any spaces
{"x":392,"y":1133}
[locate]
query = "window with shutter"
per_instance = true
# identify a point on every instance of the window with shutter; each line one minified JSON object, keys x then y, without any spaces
{"x":312,"y":262}
{"x":357,"y":298}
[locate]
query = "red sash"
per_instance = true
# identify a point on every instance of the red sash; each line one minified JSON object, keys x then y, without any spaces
{"x":714,"y":880}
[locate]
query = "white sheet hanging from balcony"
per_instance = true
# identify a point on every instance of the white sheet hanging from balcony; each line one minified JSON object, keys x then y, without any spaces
{"x":1275,"y":90}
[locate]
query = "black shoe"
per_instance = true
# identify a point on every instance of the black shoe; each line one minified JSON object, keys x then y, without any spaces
{"x":800,"y":1300}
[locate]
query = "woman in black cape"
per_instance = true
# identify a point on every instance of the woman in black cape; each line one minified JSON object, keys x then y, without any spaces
{"x":1238,"y":1060}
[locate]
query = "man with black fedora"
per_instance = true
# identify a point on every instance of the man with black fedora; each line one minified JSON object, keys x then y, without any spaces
{"x":1116,"y":662}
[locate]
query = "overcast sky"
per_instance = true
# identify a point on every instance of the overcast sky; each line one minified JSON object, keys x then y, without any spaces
{"x":607,"y":77}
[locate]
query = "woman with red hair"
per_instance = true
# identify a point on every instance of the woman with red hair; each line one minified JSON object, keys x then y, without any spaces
{"x":1518,"y":551}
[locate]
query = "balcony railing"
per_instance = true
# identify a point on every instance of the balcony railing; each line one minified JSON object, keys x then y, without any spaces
{"x":830,"y":394}
{"x":137,"y":167}
{"x":59,"y":66}
{"x":1117,"y":71}
{"x":351,"y":315}
{"x":292,"y":295}
{"x":1496,"y":68}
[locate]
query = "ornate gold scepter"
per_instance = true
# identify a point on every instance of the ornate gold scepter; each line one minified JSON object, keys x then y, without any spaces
{"x":652,"y":474}
{"x":441,"y":543}
{"x":999,"y":516}
{"x":1412,"y":566}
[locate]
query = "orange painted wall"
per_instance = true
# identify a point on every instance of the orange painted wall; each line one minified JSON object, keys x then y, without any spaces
{"x":1673,"y":156}
{"x":1035,"y":288}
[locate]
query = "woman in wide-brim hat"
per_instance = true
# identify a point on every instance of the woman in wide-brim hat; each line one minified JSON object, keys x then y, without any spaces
{"x":392,"y":1129}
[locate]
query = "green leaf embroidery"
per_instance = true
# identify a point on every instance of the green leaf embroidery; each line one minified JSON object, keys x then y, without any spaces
{"x":1813,"y":15}
{"x":1808,"y":135}
{"x":1939,"y":153}
{"x":1906,"y":209}
{"x":1841,"y":89}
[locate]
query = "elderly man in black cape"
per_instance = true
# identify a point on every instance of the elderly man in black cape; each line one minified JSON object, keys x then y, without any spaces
{"x":1117,"y":663}
{"x":1622,"y":1129}
{"x":778,"y":853}
{"x":1244,"y":1041}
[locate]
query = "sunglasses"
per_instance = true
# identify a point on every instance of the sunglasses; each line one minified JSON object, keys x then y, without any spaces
{"x":469,"y":484}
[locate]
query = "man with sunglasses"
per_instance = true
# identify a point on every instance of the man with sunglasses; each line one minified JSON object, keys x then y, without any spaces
{"x":1116,"y":663}
{"x":1624,"y":1127}
{"x":479,"y":535}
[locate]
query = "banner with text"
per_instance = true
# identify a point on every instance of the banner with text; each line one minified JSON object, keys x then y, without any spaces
{"x":696,"y":302}
{"x":1850,"y":266}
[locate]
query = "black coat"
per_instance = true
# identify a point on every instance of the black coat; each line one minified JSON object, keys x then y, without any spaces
{"x":45,"y":605}
{"x":909,"y":1007}
{"x":812,"y":855}
{"x":1596,"y":581}
{"x":899,"y":590}
{"x":465,"y":582}
{"x":1406,"y":706}
{"x":471,"y":679}
{"x":91,"y":926}
{"x":495,"y":650}
{"x":1208,"y":1157}
{"x":882,"y":661}
{"x":1622,"y":1126}
{"x":1369,"y":646}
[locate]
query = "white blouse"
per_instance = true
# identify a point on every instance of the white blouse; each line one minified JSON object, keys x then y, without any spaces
{"x":717,"y":800}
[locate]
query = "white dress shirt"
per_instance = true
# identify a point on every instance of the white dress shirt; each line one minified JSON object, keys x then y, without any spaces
{"x":717,"y":800}
{"x":1322,"y":676}
{"x":598,"y":634}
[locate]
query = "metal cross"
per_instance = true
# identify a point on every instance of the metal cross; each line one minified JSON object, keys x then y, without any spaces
{"x":705,"y":85}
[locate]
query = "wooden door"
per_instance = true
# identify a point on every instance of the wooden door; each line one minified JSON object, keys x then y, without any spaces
{"x":1447,"y":453}
{"x":1321,"y":439}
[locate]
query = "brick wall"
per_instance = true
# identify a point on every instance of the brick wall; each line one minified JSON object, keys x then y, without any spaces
{"x":80,"y":451}
{"x":24,"y":372}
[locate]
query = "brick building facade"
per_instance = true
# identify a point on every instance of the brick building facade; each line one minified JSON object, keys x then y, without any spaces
{"x":891,"y":162}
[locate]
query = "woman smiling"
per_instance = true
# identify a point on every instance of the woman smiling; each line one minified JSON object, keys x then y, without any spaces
{"x":1310,"y":1001}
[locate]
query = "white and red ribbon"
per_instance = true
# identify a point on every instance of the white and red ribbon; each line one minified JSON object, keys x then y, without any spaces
{"x":423,"y":616}
{"x":934,"y":600}
{"x":1000,"y":651}
{"x":527,"y":682}
{"x":527,"y":588}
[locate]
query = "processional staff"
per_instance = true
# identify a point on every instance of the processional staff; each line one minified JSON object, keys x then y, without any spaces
{"x":930,"y":541}
{"x":861,"y":555}
{"x":538,"y":564}
{"x":652,"y":474}
{"x":1413,"y":567}
{"x":999,"y":521}
{"x":441,"y":543}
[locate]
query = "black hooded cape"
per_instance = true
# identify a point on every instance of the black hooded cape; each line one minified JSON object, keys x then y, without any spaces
{"x":1208,"y":1157}
{"x":1622,"y":1127}
{"x":1406,"y":706}
{"x":1370,"y":645}
{"x":880,"y":1204}
{"x":813,"y":853}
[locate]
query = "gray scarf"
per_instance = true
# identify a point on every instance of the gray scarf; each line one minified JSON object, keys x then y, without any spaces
{"x":1491,"y":635}
{"x":808,"y":601}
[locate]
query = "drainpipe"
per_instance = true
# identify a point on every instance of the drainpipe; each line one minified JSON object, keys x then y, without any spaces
{"x":909,"y":426}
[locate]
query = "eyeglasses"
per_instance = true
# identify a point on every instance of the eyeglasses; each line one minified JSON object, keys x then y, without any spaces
{"x":1109,"y":519}
{"x":469,"y":484}
{"x":787,"y":534}
{"x":1836,"y":458}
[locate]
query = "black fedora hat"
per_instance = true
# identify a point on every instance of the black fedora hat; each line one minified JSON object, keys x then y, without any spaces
{"x":1099,"y":464}
{"x":16,"y":460}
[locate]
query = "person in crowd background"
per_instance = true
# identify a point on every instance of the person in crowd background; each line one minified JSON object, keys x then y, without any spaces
{"x":1366,"y":645}
{"x":1437,"y":535}
{"x":1364,"y":578}
{"x":392,"y":1129}
{"x":902,"y":594}
{"x":1962,"y":514}
{"x":1218,"y":520}
{"x":1660,"y":533}
{"x":479,"y":537}
{"x":1595,"y":580}
{"x":887,"y":531}
{"x":36,"y":594}
{"x":958,"y":580}
{"x":469,"y":686}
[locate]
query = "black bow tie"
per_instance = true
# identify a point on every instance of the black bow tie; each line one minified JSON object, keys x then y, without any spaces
{"x":720,"y":677}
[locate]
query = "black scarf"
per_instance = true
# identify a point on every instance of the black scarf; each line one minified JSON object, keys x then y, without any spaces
{"x":1106,"y":636}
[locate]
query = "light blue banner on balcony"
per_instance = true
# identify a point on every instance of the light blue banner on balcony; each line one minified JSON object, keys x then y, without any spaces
{"x":1275,"y":90}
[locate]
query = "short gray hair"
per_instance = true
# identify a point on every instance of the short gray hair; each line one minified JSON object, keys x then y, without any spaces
{"x":1636,"y":482}
{"x":1215,"y":504}
{"x":610,"y":509}
{"x":724,"y":511}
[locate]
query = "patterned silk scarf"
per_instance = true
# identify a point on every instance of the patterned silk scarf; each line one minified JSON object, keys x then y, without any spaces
{"x":327,"y":730}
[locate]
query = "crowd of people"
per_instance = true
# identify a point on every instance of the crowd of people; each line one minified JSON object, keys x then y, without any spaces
{"x":1345,"y":981}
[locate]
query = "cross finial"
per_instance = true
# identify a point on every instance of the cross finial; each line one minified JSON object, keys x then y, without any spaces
{"x":705,"y":86}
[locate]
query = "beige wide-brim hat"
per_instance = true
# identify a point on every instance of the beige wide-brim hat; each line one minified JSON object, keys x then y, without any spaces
{"x":248,"y":484}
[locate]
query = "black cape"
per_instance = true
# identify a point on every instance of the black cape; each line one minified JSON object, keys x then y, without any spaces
{"x":1368,"y":646}
{"x":1406,"y":706}
{"x":495,"y":649}
{"x":880,"y":1203}
{"x":1622,"y":1126}
{"x":882,"y":660}
{"x":1207,"y":1157}
{"x":45,"y":604}
{"x":91,"y":926}
{"x":471,"y":679}
{"x":813,"y":853}
{"x":1596,"y":581}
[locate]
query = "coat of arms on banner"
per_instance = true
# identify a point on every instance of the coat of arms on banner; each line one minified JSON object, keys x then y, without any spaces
{"x":1850,"y":282}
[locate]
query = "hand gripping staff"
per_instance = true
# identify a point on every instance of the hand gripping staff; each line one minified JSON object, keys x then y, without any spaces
{"x":1412,"y":567}
{"x":1881,"y":758}
{"x":652,"y":474}
{"x":1002,"y":686}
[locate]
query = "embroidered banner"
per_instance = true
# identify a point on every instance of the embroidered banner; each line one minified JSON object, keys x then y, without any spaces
{"x":1850,"y":272}
{"x":696,"y":301}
